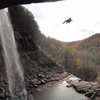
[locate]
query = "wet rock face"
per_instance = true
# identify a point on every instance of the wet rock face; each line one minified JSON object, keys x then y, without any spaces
{"x":7,"y":3}
{"x":1,"y":93}
{"x":4,"y":94}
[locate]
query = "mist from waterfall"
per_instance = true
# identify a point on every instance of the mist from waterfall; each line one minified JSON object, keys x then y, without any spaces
{"x":11,"y":57}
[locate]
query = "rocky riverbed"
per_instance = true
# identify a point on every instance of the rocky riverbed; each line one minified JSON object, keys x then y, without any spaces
{"x":31,"y":82}
{"x":89,"y":89}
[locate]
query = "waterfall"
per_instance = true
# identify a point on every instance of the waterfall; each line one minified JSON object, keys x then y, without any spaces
{"x":11,"y":57}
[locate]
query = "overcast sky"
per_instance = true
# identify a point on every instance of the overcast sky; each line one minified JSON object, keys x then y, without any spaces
{"x":84,"y":13}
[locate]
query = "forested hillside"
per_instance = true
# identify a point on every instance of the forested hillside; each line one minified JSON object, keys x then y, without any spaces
{"x":89,"y":50}
{"x":90,"y":45}
{"x":48,"y":54}
{"x":81,"y":58}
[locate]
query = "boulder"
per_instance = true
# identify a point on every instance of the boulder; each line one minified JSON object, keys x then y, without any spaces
{"x":43,"y":81}
{"x":68,"y":85}
{"x":84,"y":86}
{"x":90,"y":89}
{"x":36,"y":81}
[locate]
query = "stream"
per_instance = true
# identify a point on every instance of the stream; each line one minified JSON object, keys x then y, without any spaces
{"x":58,"y":92}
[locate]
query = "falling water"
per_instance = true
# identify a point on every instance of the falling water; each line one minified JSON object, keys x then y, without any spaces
{"x":11,"y":57}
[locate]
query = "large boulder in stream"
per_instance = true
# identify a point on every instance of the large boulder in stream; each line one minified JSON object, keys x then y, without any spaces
{"x":84,"y":86}
{"x":90,"y":89}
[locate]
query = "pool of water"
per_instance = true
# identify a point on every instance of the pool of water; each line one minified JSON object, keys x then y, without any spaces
{"x":59,"y":92}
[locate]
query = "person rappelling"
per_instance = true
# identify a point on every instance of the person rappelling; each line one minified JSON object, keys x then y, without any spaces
{"x":67,"y":21}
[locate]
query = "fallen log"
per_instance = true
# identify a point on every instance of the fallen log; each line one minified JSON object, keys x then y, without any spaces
{"x":93,"y":93}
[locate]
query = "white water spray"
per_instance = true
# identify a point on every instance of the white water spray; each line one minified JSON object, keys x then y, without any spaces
{"x":11,"y":57}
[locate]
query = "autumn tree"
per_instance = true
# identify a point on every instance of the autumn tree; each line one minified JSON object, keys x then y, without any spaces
{"x":78,"y":63}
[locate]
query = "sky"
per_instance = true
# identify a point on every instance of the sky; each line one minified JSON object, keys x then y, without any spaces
{"x":84,"y":13}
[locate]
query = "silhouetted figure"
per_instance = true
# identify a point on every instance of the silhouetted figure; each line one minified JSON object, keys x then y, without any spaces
{"x":67,"y":21}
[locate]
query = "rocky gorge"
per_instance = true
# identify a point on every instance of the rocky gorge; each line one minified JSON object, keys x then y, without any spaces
{"x":40,"y":69}
{"x":90,"y":89}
